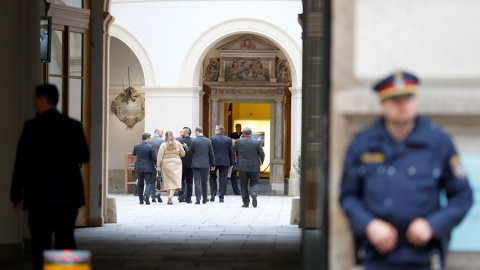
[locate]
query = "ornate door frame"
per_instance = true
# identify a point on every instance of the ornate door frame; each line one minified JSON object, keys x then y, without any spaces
{"x":248,"y":92}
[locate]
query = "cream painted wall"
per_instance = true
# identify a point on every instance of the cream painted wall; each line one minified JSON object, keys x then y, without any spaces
{"x":432,"y":38}
{"x":122,"y":58}
{"x":251,"y":111}
{"x":168,"y":29}
{"x":120,"y":137}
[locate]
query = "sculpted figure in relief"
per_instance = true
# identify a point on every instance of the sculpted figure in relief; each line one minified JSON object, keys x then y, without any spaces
{"x":247,"y":45}
{"x":283,"y":72}
{"x":211,"y":72}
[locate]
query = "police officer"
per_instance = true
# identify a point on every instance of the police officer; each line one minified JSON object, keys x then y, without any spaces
{"x":393,"y":174}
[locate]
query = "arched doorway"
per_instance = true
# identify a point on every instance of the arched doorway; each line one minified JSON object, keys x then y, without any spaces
{"x":250,"y":70}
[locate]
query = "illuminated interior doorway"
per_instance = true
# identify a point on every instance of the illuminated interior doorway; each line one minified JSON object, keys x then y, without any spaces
{"x":257,"y":117}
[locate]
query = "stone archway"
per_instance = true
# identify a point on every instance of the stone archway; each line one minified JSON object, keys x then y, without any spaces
{"x":248,"y":70}
{"x":272,"y":93}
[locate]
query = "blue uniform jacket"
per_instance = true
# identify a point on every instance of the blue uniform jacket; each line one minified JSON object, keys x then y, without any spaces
{"x":398,"y":182}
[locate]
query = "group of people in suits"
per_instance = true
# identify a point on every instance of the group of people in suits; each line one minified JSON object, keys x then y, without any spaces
{"x":183,"y":161}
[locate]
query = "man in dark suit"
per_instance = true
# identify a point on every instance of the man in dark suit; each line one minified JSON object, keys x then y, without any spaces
{"x":233,"y":176}
{"x":144,"y":167}
{"x":222,"y":150}
{"x":185,"y":194}
{"x":156,"y":141}
{"x":238,"y":132}
{"x":250,"y":157}
{"x":233,"y":173}
{"x":203,"y":160}
{"x":47,"y":174}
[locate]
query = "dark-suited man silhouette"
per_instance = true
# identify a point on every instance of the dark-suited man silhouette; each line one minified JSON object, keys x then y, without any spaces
{"x":222,"y":150}
{"x":144,"y":167}
{"x":47,"y":174}
{"x":250,"y":157}
{"x":156,"y":140}
{"x":185,"y":195}
{"x":203,"y":161}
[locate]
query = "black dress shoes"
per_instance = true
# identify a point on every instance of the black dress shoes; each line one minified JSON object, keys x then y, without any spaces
{"x":245,"y":205}
{"x":221,"y":199}
{"x":147,"y":201}
{"x":205,"y":201}
{"x":189,"y":201}
{"x":153,"y":199}
{"x":182,"y":197}
{"x":141,"y":202}
{"x":197,"y":202}
{"x":159,"y":199}
{"x":254,"y":201}
{"x":212,"y":199}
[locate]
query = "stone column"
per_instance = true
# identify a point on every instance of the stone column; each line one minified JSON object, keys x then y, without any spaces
{"x":295,"y":144}
{"x":221,"y":71}
{"x":200,"y":115}
{"x":278,"y":161}
{"x":109,"y":205}
{"x":273,"y":78}
{"x":214,"y":114}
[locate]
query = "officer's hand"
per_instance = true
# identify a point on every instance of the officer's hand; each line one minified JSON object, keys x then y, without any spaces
{"x":419,"y":232}
{"x":382,"y":235}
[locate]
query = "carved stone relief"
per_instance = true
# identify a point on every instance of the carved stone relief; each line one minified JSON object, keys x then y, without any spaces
{"x":211,"y":72}
{"x":129,"y":107}
{"x":247,"y":44}
{"x":247,"y":69}
{"x":248,"y":59}
{"x":282,"y":71}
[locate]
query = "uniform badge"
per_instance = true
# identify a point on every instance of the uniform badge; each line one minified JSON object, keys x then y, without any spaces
{"x":457,"y":168}
{"x":370,"y":158}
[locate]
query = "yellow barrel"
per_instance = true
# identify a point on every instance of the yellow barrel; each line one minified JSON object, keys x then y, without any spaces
{"x":66,"y":259}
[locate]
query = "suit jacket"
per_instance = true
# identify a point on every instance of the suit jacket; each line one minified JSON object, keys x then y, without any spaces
{"x":222,"y":150}
{"x":156,"y":142}
{"x":250,"y":154}
{"x":47,"y":164}
{"x":201,"y":151}
{"x":187,"y":159}
{"x":145,"y":157}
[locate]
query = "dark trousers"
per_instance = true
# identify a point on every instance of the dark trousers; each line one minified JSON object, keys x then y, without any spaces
{"x":149,"y":184}
{"x":223,"y":172}
{"x":246,"y":179}
{"x":187,"y":183}
{"x":56,"y":220}
{"x":234,"y":182}
{"x":200,"y":175}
